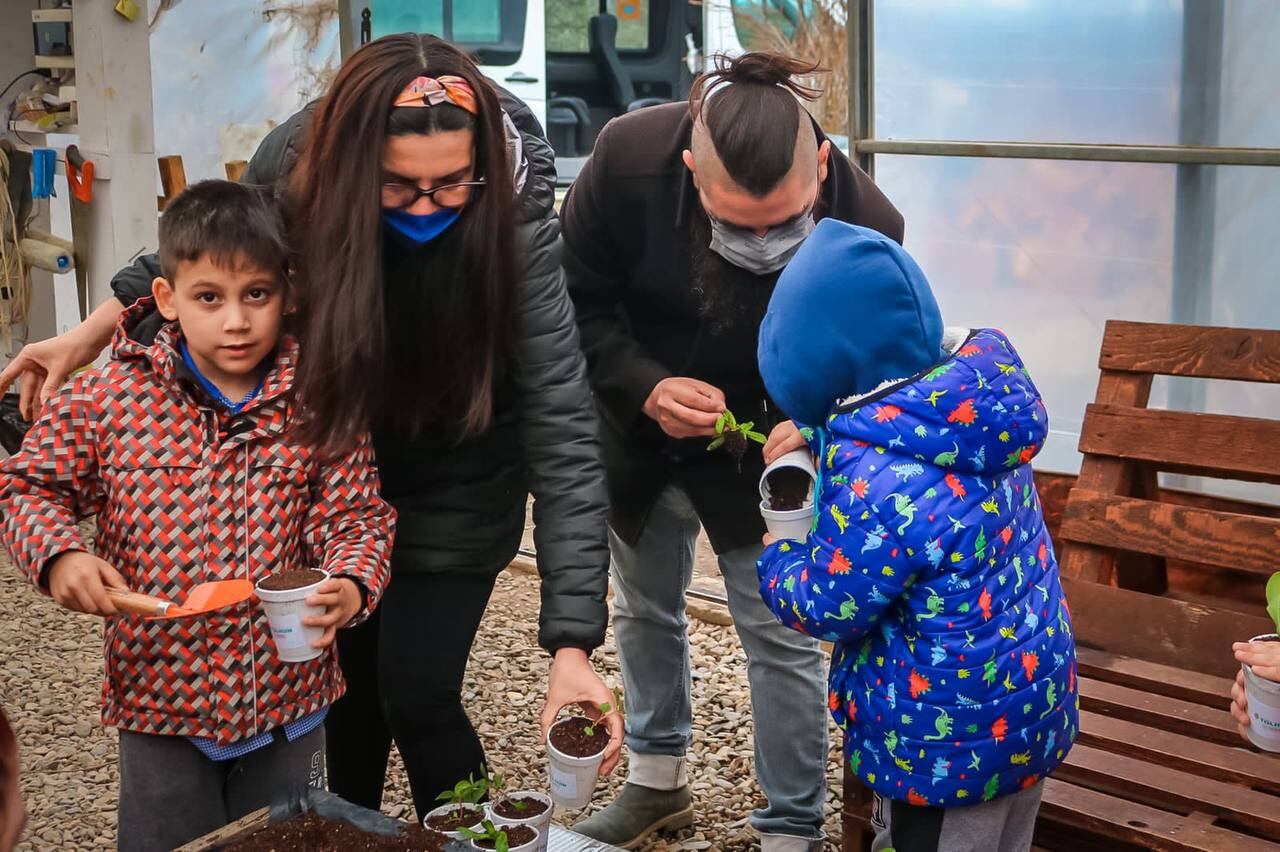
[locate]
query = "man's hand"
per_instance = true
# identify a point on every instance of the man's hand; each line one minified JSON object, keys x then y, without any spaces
{"x":784,"y":438}
{"x":341,"y":599}
{"x":1240,"y":705}
{"x":573,"y":681}
{"x":1264,"y":659}
{"x":685,"y":408}
{"x":79,"y":581}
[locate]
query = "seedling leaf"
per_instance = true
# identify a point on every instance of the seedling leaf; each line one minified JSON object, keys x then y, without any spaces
{"x":1273,"y":599}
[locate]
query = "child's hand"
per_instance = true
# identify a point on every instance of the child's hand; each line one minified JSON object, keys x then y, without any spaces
{"x":1240,"y":705}
{"x":768,"y":539}
{"x":341,"y":599}
{"x":78,"y":581}
{"x":1262,"y":657}
{"x":784,"y":438}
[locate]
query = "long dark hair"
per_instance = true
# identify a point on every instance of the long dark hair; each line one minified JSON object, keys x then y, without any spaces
{"x":748,"y":105}
{"x":427,"y":348}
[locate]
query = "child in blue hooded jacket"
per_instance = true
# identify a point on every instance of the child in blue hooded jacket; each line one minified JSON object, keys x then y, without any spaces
{"x":929,"y":566}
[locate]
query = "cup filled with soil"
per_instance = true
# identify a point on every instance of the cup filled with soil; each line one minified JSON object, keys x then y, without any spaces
{"x":1264,"y":704}
{"x":576,"y":748}
{"x":520,"y":838}
{"x":524,"y":808}
{"x":451,"y":819}
{"x":786,"y":492}
{"x":283,"y":597}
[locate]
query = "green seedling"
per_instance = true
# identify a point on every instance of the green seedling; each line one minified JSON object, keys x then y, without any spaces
{"x":733,"y":436}
{"x":491,"y":833}
{"x":1273,"y":599}
{"x":498,"y":786}
{"x":468,"y":792}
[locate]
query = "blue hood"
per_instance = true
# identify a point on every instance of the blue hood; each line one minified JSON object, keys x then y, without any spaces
{"x":851,"y":311}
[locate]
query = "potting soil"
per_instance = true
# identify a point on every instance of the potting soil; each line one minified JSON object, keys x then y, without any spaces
{"x":506,"y":807}
{"x":517,"y":835}
{"x":282,"y":581}
{"x":463,"y":817}
{"x":789,"y":489}
{"x":311,"y":833}
{"x":572,"y":738}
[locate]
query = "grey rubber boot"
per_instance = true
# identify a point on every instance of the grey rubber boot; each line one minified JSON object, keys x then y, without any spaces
{"x":638,"y":813}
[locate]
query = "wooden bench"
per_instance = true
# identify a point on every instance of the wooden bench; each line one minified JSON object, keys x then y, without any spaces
{"x":1159,"y":763}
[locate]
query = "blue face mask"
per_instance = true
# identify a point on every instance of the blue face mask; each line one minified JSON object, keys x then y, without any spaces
{"x":420,"y":229}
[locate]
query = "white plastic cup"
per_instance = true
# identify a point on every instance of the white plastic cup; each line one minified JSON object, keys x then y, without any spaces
{"x":793,"y":524}
{"x":538,"y":842}
{"x":573,"y":779}
{"x":541,"y":822}
{"x":1264,"y":706}
{"x":285,"y":611}
{"x":455,"y":835}
{"x":800,"y":459}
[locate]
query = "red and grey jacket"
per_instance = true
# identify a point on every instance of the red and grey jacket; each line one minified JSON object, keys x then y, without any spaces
{"x":185,"y":493}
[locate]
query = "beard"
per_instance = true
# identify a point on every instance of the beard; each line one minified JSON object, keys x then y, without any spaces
{"x":728,"y":295}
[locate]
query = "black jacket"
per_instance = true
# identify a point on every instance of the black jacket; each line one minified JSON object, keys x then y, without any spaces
{"x":628,"y":260}
{"x":461,"y":507}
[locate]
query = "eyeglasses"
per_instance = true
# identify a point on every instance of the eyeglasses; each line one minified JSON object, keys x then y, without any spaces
{"x":399,"y":196}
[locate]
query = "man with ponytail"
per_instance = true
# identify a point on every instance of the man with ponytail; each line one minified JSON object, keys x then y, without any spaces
{"x":675,"y":234}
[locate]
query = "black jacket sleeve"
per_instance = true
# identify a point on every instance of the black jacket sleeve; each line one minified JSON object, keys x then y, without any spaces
{"x":558,"y":433}
{"x":622,"y":372}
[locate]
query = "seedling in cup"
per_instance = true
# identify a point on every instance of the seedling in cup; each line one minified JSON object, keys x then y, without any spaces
{"x":1262,"y":695}
{"x":509,"y":809}
{"x":460,"y":810}
{"x":490,"y":836}
{"x":576,"y":748}
{"x":733,"y":436}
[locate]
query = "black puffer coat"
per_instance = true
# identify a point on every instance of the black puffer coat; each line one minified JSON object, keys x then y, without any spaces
{"x":461,"y":506}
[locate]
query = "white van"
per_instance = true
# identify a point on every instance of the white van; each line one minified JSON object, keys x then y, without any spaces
{"x":577,"y":63}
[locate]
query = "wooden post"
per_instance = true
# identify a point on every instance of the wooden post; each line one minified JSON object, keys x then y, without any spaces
{"x":173,"y":179}
{"x":113,"y":81}
{"x":235,"y":169}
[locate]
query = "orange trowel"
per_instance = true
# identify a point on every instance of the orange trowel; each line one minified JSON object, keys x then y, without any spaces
{"x":205,"y":597}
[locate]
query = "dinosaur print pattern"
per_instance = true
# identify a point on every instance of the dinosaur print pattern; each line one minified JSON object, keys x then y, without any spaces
{"x":954,"y":668}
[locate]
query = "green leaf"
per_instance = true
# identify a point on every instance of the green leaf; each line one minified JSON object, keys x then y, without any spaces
{"x":756,"y":436}
{"x":721,"y":421}
{"x":716,"y":443}
{"x":606,"y":708}
{"x":501,"y":845}
{"x":746,"y":427}
{"x":1273,"y":599}
{"x":468,"y":834}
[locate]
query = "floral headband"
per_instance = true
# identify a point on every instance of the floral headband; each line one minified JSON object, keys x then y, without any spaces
{"x":432,"y":91}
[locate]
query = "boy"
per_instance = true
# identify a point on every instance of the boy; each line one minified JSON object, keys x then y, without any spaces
{"x":181,"y":448}
{"x":929,"y":567}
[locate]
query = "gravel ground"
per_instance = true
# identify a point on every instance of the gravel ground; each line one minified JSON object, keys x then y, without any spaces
{"x":50,"y":663}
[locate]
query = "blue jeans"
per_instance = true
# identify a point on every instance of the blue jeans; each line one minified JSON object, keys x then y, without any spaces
{"x":785,"y":670}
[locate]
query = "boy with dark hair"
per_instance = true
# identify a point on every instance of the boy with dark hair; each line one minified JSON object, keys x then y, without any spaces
{"x":181,"y":448}
{"x":929,"y":565}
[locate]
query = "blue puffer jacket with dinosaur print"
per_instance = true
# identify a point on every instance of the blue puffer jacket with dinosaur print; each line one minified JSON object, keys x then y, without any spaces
{"x":931,"y":570}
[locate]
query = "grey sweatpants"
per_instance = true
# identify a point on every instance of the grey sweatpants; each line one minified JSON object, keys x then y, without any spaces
{"x":1002,"y":825}
{"x":170,"y":793}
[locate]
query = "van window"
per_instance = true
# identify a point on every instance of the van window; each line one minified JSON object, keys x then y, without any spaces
{"x":567,"y":24}
{"x":491,"y":29}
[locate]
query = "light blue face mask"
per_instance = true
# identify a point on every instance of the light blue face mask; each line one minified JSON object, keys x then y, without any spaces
{"x":420,"y":229}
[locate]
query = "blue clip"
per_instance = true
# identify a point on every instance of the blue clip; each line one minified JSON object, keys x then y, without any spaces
{"x":44,"y":161}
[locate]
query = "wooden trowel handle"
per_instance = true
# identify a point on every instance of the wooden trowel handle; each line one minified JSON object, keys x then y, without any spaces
{"x":138,"y":603}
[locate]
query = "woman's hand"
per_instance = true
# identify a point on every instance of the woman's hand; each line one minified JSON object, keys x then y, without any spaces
{"x":1264,"y":659}
{"x":45,"y":365}
{"x":574,"y":681}
{"x":341,"y":599}
{"x":1240,"y":705}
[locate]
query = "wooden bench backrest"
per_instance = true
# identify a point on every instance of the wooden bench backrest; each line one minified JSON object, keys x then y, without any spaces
{"x":1115,"y":529}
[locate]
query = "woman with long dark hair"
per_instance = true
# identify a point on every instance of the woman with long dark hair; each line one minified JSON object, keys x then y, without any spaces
{"x":431,"y":311}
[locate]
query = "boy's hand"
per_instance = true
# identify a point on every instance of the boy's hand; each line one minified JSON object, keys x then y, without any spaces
{"x":784,"y":438}
{"x":341,"y":599}
{"x":768,"y":539}
{"x":1240,"y":705}
{"x":78,"y":581}
{"x":1262,"y":657}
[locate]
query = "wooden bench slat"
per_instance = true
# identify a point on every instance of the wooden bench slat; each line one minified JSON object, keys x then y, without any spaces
{"x":1185,"y":350}
{"x":1217,"y":445}
{"x":1149,"y":783}
{"x":1129,"y":822}
{"x":1223,"y":539}
{"x":1158,"y":711}
{"x":1236,"y":764}
{"x":1209,"y":690}
{"x":1162,"y":630}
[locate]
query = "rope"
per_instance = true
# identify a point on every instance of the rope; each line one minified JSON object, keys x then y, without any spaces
{"x":15,"y":300}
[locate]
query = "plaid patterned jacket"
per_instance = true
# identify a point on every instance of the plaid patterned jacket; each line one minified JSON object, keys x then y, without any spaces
{"x":184,"y":495}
